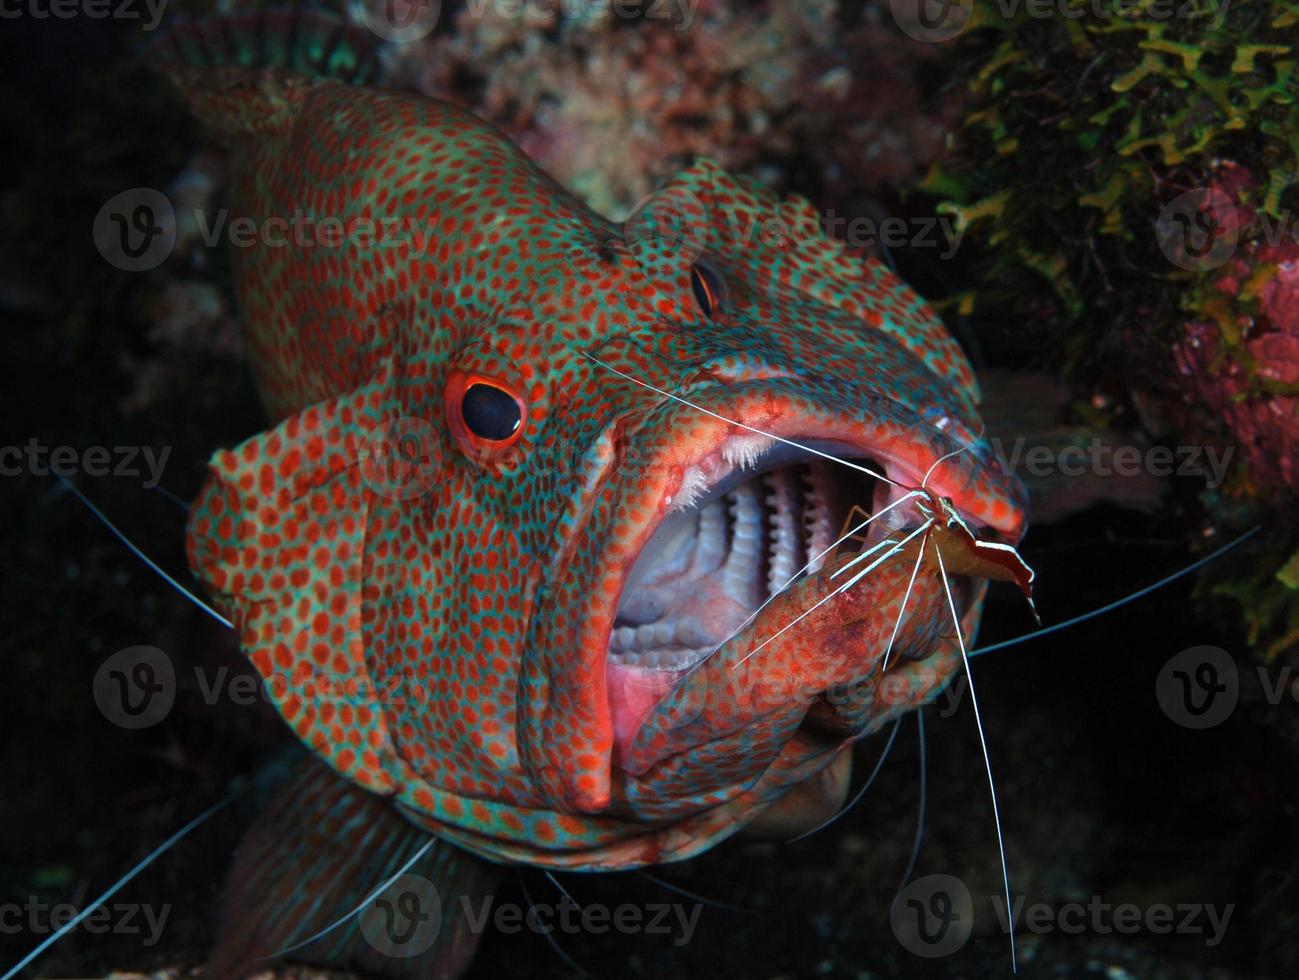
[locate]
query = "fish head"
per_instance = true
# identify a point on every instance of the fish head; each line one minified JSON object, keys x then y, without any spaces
{"x":534,"y":579}
{"x":754,"y":384}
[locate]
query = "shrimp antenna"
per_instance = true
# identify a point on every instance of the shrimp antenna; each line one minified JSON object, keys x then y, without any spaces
{"x":987,"y":761}
{"x":741,"y":425}
{"x":920,"y":815}
{"x":897,"y":625}
{"x":147,"y":860}
{"x":724,"y":906}
{"x":171,"y":496}
{"x":1118,"y":603}
{"x":424,"y":849}
{"x":569,"y":962}
{"x":812,"y":562}
{"x":858,"y":796}
{"x":843,"y":588}
{"x":963,"y":447}
{"x":103,"y":519}
{"x":560,"y":888}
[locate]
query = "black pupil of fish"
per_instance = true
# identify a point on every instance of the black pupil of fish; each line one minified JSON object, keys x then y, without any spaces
{"x":701,"y":281}
{"x":490,"y":413}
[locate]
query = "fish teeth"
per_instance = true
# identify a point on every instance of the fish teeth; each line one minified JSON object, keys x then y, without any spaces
{"x":672,"y":658}
{"x":710,"y":545}
{"x":654,"y":635}
{"x":744,"y":451}
{"x":817,"y":514}
{"x":692,"y":634}
{"x":694,"y":484}
{"x":783,"y":506}
{"x":742,"y":574}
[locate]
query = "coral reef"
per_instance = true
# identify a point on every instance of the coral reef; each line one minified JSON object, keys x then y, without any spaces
{"x":613,"y":107}
{"x":1127,"y":170}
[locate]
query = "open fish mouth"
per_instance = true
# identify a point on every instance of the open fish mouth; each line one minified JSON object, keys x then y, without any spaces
{"x":695,"y":513}
{"x":730,"y":543}
{"x":750,"y":520}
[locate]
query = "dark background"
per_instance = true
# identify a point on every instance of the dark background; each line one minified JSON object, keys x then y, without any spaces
{"x":1100,"y":793}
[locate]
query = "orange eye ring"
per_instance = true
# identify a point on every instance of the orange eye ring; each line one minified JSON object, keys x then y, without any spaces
{"x":486,"y":415}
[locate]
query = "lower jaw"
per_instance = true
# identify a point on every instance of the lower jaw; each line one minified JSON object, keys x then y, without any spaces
{"x":836,"y":707}
{"x":634,"y":692}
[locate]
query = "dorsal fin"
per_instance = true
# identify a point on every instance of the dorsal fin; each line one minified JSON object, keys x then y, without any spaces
{"x":247,"y":73}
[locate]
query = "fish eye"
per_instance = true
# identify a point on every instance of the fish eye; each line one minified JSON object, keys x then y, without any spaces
{"x":490,"y":412}
{"x":707,"y":287}
{"x":486,"y":415}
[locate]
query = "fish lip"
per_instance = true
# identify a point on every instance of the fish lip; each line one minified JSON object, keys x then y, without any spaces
{"x":626,"y":723}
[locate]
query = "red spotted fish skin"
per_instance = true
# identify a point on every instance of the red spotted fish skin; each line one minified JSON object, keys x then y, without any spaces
{"x":441,"y":638}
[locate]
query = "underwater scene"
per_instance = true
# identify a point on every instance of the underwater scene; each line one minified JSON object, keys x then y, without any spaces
{"x":650,"y":488}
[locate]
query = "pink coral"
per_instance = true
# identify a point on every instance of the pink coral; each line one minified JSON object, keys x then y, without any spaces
{"x":1237,"y":367}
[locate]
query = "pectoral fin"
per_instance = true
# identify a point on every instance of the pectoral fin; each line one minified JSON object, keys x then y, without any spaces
{"x":308,"y":885}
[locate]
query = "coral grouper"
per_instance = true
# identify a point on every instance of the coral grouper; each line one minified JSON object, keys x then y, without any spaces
{"x":530,"y":475}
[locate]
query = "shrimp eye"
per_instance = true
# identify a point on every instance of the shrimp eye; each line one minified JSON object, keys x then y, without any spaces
{"x":490,"y":412}
{"x":486,"y":415}
{"x":707,"y":287}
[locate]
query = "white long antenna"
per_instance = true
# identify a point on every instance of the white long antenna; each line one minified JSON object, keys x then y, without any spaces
{"x":987,"y":761}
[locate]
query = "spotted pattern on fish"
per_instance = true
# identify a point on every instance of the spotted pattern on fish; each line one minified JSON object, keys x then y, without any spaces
{"x":434,"y":624}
